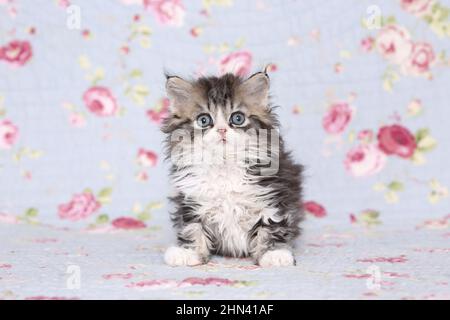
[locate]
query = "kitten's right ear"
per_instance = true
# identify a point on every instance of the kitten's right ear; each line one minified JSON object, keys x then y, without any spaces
{"x":256,"y":89}
{"x":178,"y":90}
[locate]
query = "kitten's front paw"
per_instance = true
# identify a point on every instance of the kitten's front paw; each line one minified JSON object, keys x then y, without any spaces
{"x":176,"y":256}
{"x":277,"y":258}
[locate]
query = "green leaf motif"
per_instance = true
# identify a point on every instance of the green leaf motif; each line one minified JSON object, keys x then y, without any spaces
{"x":389,"y":78}
{"x":144,"y":216}
{"x":104,"y":196}
{"x":136,"y":73}
{"x":396,"y":186}
{"x":244,"y":283}
{"x":31,"y":213}
{"x":105,"y":192}
{"x":102,"y":219}
{"x":370,"y":217}
{"x":427,"y":144}
{"x":389,"y":20}
{"x":438,"y":18}
{"x":88,"y":190}
{"x":422,"y":133}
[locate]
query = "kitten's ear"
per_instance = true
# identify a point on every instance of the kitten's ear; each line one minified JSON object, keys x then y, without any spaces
{"x":256,"y":89}
{"x":178,"y":90}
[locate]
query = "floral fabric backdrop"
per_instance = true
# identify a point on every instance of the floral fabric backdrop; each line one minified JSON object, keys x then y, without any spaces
{"x":363,"y":90}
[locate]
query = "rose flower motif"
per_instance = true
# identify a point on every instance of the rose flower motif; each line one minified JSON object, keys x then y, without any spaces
{"x":128,"y":223}
{"x":394,"y":44}
{"x":337,"y":118}
{"x":417,"y":7}
{"x":80,"y":207}
{"x":100,"y":101}
{"x":8,"y":134}
{"x":421,"y":59}
{"x":365,"y":160}
{"x":16,"y":53}
{"x":147,"y":158}
{"x":238,"y":63}
{"x":167,"y":12}
{"x":158,"y":114}
{"x":396,"y":140}
{"x":315,"y":209}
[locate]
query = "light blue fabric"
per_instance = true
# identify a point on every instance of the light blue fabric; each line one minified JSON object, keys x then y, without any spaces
{"x":318,"y":60}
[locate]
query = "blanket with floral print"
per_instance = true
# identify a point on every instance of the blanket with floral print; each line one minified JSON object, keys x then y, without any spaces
{"x":333,"y":262}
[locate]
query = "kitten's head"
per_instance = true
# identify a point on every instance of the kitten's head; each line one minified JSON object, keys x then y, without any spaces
{"x":223,"y":109}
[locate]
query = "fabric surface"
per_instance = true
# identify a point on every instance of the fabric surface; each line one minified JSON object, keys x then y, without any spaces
{"x":333,"y":262}
{"x":362,"y":90}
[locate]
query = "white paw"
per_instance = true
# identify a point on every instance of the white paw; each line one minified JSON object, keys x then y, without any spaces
{"x":176,"y":256}
{"x":277,"y":258}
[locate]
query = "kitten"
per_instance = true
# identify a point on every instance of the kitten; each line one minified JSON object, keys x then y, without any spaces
{"x":232,"y":197}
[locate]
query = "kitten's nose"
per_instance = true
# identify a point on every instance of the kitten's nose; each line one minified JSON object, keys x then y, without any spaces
{"x":222,"y":131}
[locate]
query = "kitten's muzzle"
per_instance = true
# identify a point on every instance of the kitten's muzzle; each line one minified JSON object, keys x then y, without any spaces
{"x":222,"y":132}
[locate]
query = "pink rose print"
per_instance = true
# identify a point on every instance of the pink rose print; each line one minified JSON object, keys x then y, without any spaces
{"x":365,"y":160}
{"x":77,"y":120}
{"x":128,"y":223}
{"x":337,"y":118}
{"x":396,"y":140}
{"x":393,"y":42}
{"x":399,"y":259}
{"x":142,"y":176}
{"x":167,"y":12}
{"x":100,"y":101}
{"x":169,"y":283}
{"x":121,"y":276}
{"x":9,"y":218}
{"x":8,"y":134}
{"x":64,"y":3}
{"x":365,"y":135}
{"x":421,"y":59}
{"x":147,"y":158}
{"x":206,"y":282}
{"x":157,"y":116}
{"x":153,"y":284}
{"x":16,"y":53}
{"x":10,"y":7}
{"x":238,"y":63}
{"x":160,"y":112}
{"x":367,"y":44}
{"x":315,"y":209}
{"x":80,"y":207}
{"x":417,"y":7}
{"x":437,"y":224}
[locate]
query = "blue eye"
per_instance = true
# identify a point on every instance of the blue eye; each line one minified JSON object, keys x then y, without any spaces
{"x":204,"y":120}
{"x":237,"y":118}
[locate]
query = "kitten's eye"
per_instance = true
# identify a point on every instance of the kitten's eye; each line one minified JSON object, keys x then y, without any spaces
{"x":204,"y":120}
{"x":237,"y":118}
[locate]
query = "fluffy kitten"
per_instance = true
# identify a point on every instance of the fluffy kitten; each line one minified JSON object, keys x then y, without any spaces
{"x":232,"y":196}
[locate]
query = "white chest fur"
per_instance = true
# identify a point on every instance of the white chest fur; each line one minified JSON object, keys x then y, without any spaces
{"x":229,"y":203}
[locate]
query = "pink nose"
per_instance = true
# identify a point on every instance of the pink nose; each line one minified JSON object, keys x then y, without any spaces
{"x":222,"y":131}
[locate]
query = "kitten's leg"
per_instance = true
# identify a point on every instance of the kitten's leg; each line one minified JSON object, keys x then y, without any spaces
{"x":193,"y":247}
{"x":269,"y":247}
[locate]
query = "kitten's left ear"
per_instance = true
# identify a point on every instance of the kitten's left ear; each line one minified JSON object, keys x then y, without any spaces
{"x":256,"y":89}
{"x":178,"y":90}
